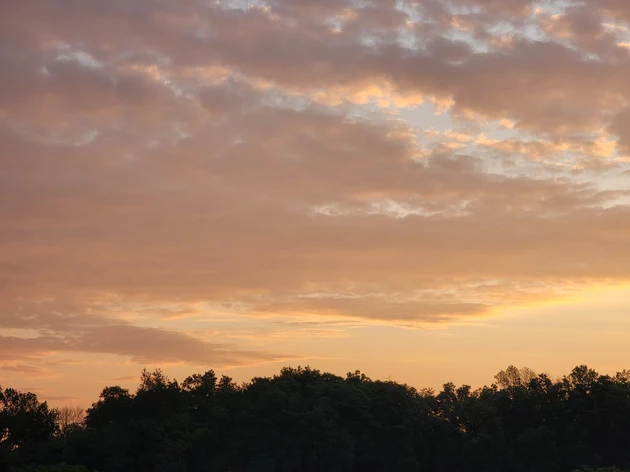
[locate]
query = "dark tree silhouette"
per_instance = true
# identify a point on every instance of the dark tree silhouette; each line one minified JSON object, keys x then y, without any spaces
{"x":304,"y":420}
{"x":27,"y":427}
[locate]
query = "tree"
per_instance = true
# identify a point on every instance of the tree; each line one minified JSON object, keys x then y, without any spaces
{"x":201,"y":385}
{"x":601,"y":469}
{"x":114,"y":405}
{"x":68,"y":416}
{"x":514,"y":377}
{"x":303,"y":420}
{"x":55,"y":468}
{"x":23,"y":419}
{"x":151,"y":381}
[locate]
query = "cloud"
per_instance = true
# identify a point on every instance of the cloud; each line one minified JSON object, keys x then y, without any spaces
{"x":191,"y":221}
{"x":32,"y":371}
{"x":75,"y":327}
{"x":276,"y":160}
{"x":543,"y":85}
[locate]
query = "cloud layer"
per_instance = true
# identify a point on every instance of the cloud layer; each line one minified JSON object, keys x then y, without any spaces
{"x":378,"y":161}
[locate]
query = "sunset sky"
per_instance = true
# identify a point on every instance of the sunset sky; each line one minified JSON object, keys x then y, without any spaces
{"x":427,"y":191}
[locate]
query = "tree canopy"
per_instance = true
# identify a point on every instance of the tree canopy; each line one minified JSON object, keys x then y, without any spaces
{"x":305,"y":420}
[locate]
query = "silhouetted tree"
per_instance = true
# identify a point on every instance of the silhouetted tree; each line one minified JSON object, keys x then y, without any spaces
{"x":27,"y":427}
{"x":69,"y":416}
{"x":304,"y":420}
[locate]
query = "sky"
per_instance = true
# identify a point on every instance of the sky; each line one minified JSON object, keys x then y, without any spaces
{"x":427,"y":191}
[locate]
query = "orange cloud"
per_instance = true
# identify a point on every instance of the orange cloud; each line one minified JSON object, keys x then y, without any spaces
{"x":280,"y":161}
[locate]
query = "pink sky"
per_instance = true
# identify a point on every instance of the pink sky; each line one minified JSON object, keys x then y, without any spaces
{"x":428,"y":191}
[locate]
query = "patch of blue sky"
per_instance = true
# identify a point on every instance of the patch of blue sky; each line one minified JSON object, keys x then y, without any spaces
{"x":82,"y":58}
{"x":276,"y":97}
{"x":407,"y":39}
{"x":369,"y":40}
{"x":413,"y":14}
{"x":424,"y":117}
{"x":533,"y":32}
{"x":502,"y":28}
{"x":556,"y":7}
{"x":457,"y":34}
{"x":239,"y":4}
{"x":335,"y":24}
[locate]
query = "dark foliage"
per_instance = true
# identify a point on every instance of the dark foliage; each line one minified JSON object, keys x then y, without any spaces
{"x":305,"y":420}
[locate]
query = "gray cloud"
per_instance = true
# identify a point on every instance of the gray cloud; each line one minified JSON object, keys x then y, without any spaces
{"x":237,"y":157}
{"x":93,"y":333}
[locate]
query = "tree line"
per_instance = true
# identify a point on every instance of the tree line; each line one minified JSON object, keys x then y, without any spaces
{"x":304,"y":420}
